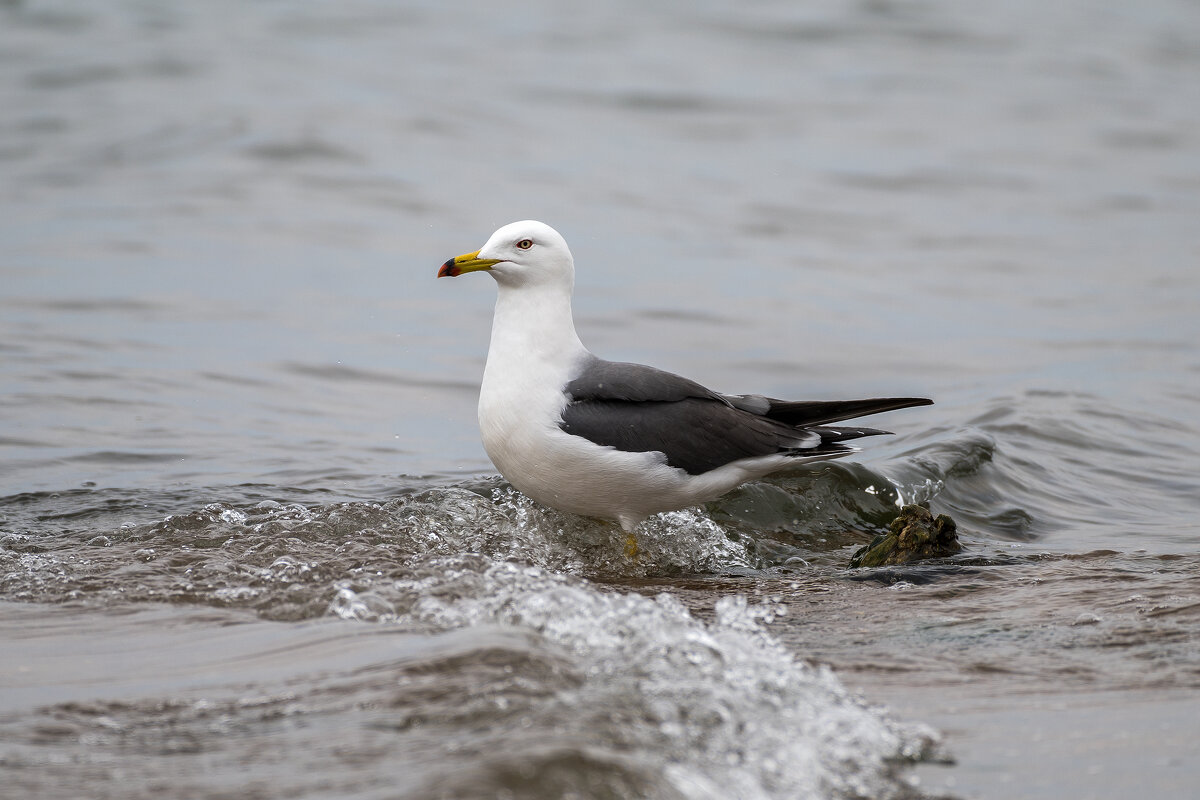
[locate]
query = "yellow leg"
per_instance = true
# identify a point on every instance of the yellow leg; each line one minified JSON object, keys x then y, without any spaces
{"x":631,"y":546}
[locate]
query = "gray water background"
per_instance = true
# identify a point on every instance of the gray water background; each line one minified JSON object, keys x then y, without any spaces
{"x":221,"y":225}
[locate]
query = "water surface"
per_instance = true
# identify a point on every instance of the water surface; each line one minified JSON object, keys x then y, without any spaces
{"x":250,"y":542}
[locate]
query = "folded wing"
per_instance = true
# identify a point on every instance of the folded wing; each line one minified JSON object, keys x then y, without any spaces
{"x":636,"y":408}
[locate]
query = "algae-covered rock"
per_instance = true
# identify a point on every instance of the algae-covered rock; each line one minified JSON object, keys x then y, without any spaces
{"x":914,"y":535}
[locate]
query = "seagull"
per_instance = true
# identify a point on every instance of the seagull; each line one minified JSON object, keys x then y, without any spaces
{"x":614,"y":440}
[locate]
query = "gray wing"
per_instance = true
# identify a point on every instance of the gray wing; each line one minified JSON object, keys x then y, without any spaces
{"x":598,"y":379}
{"x":635,"y":408}
{"x":694,"y":434}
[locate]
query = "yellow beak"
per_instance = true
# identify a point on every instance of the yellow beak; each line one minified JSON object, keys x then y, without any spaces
{"x":470,"y":262}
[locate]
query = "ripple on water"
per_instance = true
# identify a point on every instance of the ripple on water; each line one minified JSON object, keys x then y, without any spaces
{"x":274,"y":556}
{"x":561,"y":683}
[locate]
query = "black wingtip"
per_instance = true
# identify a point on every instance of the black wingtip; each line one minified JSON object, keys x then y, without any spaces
{"x":820,"y":412}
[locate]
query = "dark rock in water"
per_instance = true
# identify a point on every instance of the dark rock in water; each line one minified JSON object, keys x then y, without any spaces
{"x":914,"y":535}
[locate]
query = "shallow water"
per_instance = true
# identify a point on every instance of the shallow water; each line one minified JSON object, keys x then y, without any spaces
{"x":249,"y":541}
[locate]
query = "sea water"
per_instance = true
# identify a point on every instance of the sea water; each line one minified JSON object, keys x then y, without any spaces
{"x":250,"y":544}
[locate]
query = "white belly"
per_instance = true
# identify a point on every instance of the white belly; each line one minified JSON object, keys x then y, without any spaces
{"x":573,"y":474}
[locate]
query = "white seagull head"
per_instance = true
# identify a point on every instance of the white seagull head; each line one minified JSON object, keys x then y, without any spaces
{"x":521,"y":254}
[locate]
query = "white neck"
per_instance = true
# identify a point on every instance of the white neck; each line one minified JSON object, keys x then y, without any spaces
{"x":534,"y":343}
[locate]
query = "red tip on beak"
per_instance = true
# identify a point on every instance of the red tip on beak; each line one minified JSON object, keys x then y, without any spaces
{"x":448,"y":270}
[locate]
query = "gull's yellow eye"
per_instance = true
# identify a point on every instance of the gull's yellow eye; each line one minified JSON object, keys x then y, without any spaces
{"x":525,"y":244}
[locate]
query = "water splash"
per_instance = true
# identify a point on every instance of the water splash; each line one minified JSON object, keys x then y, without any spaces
{"x":641,"y":695}
{"x":723,"y":702}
